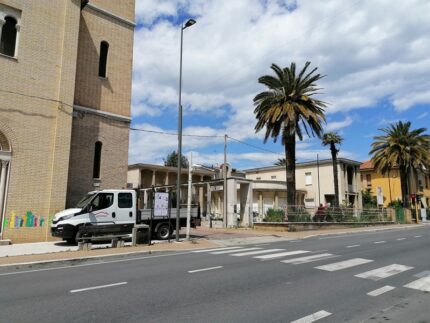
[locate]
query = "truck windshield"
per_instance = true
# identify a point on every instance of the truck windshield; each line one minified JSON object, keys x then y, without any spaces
{"x":85,"y":200}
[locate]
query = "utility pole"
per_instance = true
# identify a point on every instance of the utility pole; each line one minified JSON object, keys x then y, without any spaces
{"x":224,"y":173}
{"x":318,"y":171}
{"x":190,"y":188}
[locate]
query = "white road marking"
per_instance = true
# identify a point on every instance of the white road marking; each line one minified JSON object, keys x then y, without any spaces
{"x":313,"y":317}
{"x":353,"y":246}
{"x":384,"y":272}
{"x":258,"y":252}
{"x":216,"y":249}
{"x":381,"y":290}
{"x":423,"y":274}
{"x":204,"y":269}
{"x":417,"y":236}
{"x":422,"y":284}
{"x":303,"y":260}
{"x":231,"y":251}
{"x":282,"y":254}
{"x":344,"y":264}
{"x":379,"y":242}
{"x":400,"y":239}
{"x":96,"y":287}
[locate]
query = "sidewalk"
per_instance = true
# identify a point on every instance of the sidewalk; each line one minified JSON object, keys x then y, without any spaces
{"x":42,"y":252}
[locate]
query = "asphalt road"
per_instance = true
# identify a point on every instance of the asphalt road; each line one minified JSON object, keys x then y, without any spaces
{"x":369,"y":276}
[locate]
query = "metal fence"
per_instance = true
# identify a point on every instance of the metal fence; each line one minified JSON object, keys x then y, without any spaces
{"x":326,"y":214}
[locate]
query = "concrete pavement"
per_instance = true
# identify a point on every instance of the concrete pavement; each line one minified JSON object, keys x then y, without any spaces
{"x":202,"y":238}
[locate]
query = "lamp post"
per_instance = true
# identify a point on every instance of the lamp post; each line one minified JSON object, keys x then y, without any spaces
{"x":189,"y":23}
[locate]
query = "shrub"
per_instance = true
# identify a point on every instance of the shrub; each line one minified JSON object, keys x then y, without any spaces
{"x":274,"y":215}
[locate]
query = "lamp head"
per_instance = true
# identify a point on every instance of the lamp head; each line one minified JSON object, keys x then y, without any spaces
{"x":189,"y":23}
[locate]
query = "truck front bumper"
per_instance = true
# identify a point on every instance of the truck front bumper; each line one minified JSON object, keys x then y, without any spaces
{"x":65,"y":232}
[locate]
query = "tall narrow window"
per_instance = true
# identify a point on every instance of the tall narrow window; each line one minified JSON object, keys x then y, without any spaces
{"x":8,"y":37}
{"x":97,"y":159}
{"x":104,"y":48}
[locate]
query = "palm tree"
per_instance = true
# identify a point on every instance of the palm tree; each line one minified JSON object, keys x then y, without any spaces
{"x":403,"y":147}
{"x":332,"y":139}
{"x":287,"y":109}
{"x":280,"y":162}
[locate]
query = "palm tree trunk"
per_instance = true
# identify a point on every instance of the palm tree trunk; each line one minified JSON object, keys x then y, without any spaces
{"x":290,"y":167}
{"x":404,"y":185}
{"x":335,"y":174}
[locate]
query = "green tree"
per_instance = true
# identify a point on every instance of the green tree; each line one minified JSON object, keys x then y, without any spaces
{"x":172,"y":160}
{"x":280,"y":162}
{"x":403,"y":147}
{"x":287,"y":109}
{"x":369,"y":201}
{"x":332,"y":139}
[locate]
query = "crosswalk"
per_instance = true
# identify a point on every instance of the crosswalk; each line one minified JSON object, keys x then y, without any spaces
{"x":298,"y":257}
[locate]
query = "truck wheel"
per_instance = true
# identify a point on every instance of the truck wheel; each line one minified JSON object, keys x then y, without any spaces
{"x":164,"y":231}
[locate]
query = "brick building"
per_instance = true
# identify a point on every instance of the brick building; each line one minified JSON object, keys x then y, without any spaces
{"x":65,"y":93}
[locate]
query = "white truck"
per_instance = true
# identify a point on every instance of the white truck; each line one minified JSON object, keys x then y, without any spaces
{"x":116,"y":208}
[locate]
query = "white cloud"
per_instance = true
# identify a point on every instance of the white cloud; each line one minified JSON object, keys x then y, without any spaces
{"x":370,"y":50}
{"x":337,"y":125}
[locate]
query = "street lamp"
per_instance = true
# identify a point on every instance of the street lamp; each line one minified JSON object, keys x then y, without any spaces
{"x":189,"y":23}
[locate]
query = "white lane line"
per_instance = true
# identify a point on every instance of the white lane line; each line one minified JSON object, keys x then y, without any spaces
{"x":231,"y":251}
{"x":384,"y":272}
{"x":400,"y":239}
{"x":204,"y":269}
{"x":381,"y":290}
{"x":353,"y":246}
{"x":422,"y":284}
{"x":344,"y":264}
{"x":258,"y":252}
{"x":282,"y":254}
{"x":96,"y":287}
{"x":417,"y":236}
{"x":313,"y":317}
{"x":216,"y":249}
{"x":377,"y":242}
{"x":303,"y":260}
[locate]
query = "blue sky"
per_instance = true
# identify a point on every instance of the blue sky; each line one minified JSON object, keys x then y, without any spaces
{"x":374,"y":56}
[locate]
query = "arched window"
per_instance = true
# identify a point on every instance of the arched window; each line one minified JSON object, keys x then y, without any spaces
{"x":8,"y":37}
{"x":104,"y":48}
{"x":97,"y":159}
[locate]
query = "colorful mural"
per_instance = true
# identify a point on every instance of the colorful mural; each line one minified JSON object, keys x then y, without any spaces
{"x":29,"y":220}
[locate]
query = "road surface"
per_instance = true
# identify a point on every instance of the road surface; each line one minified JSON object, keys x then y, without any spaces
{"x":359,"y":277}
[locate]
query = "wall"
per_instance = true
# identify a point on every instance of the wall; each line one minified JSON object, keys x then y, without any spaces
{"x":35,"y":123}
{"x":386,"y":183}
{"x":111,"y":94}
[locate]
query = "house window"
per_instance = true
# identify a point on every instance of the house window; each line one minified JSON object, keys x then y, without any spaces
{"x":308,"y":178}
{"x":273,"y":177}
{"x":258,"y":178}
{"x":104,"y":48}
{"x":369,"y":180}
{"x":97,"y":159}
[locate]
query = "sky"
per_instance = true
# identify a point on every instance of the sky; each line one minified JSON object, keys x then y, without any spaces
{"x":374,"y":55}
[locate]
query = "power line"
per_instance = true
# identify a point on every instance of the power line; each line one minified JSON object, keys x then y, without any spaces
{"x":175,"y":133}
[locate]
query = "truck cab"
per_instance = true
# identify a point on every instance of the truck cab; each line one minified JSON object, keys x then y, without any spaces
{"x":96,"y":208}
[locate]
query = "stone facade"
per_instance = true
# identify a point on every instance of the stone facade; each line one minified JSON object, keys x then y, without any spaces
{"x":42,"y":124}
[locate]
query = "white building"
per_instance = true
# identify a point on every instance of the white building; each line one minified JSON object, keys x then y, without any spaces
{"x":253,"y":191}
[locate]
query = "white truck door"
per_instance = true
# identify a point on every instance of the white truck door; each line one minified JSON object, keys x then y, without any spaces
{"x":103,"y":209}
{"x":126,"y":207}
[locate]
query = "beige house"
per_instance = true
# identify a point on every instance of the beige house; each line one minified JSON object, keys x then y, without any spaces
{"x":314,"y":178}
{"x":65,"y":92}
